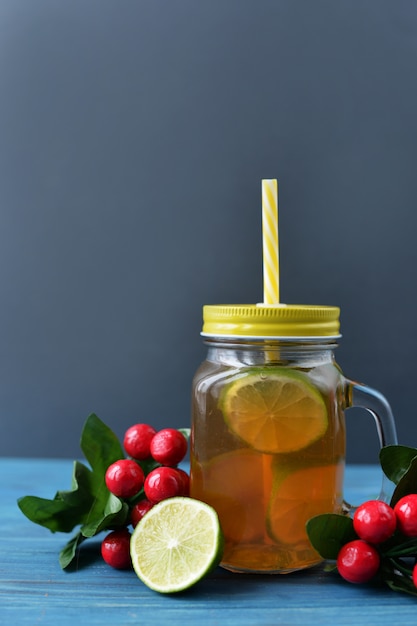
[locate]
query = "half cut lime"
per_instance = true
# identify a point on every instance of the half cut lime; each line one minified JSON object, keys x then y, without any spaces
{"x":176,"y":544}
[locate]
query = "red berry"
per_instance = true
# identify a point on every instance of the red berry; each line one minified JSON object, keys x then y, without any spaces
{"x":358,"y":561}
{"x":406,"y":512}
{"x":139,"y":510}
{"x":137,"y":440}
{"x":374,"y":521}
{"x":415,"y":575}
{"x":124,"y":478}
{"x":185,"y":481}
{"x":115,"y":549}
{"x":162,"y":483}
{"x":168,"y":446}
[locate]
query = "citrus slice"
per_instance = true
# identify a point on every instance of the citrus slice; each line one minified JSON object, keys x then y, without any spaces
{"x":301,"y":495}
{"x":274,"y":410}
{"x":235,"y":484}
{"x":176,"y":544}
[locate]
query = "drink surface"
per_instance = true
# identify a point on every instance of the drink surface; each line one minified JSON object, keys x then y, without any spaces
{"x":268,"y":451}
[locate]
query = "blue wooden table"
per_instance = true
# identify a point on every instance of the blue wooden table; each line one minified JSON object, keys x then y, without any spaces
{"x":34,"y":590}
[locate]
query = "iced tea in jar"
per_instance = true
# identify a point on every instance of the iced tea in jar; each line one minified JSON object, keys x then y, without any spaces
{"x":268,"y":429}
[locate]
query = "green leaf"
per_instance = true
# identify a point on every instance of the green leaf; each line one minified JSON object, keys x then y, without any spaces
{"x":101,"y":448}
{"x":407,"y":484}
{"x":67,"y":554}
{"x":114,"y":513}
{"x":68,"y":508}
{"x":395,"y":461}
{"x":396,"y":580}
{"x":186,"y":432}
{"x":329,"y":532}
{"x":399,"y":547}
{"x":148,"y":465}
{"x":80,"y":494}
{"x":56,"y":515}
{"x":100,"y":445}
{"x":330,"y":567}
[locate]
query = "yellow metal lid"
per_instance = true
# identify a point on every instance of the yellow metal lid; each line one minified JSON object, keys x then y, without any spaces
{"x":279,"y":321}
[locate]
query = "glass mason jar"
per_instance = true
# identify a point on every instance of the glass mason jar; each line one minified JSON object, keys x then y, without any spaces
{"x":268,"y":429}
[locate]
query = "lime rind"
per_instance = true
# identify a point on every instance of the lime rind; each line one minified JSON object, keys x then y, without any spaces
{"x":255,"y":403}
{"x":176,"y":544}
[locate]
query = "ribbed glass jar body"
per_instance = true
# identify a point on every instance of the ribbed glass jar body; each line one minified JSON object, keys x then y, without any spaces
{"x":268,"y":446}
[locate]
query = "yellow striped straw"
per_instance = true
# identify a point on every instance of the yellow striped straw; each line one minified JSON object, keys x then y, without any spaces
{"x":270,"y":241}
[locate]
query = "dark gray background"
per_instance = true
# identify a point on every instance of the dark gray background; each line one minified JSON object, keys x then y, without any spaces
{"x":133,"y":138}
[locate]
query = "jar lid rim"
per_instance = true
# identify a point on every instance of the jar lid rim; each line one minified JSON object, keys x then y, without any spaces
{"x":279,"y":321}
{"x":297,"y":338}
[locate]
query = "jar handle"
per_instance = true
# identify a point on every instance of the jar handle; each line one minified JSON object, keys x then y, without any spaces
{"x":362,"y":396}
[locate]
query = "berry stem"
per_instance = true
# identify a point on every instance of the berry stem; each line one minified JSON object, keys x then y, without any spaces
{"x":136,"y":498}
{"x":401,"y":567}
{"x":408,"y":548}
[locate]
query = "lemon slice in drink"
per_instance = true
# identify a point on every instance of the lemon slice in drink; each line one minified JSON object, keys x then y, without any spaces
{"x":176,"y":544}
{"x":274,"y":410}
{"x":302,"y":494}
{"x":234,"y":485}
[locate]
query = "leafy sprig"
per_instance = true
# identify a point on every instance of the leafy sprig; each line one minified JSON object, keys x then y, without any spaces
{"x":88,"y":504}
{"x":329,"y":532}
